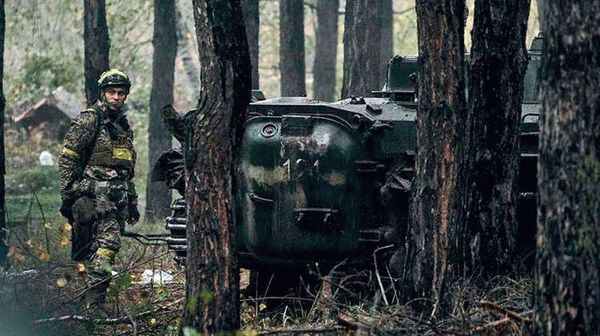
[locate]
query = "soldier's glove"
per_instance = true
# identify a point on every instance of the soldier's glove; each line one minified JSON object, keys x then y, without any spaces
{"x":134,"y":214}
{"x":84,"y":209}
{"x":65,"y":211}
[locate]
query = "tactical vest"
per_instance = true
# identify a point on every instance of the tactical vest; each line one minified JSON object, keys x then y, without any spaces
{"x":113,"y":148}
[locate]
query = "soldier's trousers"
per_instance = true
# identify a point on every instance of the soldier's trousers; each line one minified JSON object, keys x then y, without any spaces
{"x":107,"y":243}
{"x":111,"y":214}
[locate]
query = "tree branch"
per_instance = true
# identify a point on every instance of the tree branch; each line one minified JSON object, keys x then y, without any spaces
{"x":315,"y":331}
{"x":129,"y":319}
{"x":508,"y":313}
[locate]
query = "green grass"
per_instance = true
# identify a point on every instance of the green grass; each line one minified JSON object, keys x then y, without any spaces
{"x":32,"y":203}
{"x":33,"y":194}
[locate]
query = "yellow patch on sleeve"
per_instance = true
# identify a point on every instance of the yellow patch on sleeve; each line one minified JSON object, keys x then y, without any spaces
{"x":68,"y":152}
{"x":105,"y":253}
{"x":121,"y":153}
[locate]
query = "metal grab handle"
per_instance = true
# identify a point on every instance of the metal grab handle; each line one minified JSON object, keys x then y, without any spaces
{"x":530,"y":114}
{"x":255,"y":198}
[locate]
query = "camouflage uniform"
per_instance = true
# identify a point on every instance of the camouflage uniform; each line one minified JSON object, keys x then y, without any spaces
{"x":96,"y":175}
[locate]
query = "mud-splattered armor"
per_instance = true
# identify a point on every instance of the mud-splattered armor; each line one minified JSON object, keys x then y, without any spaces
{"x":96,"y":173}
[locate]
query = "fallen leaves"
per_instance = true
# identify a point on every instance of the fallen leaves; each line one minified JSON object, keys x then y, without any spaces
{"x":63,"y":240}
{"x":64,"y":234}
{"x":15,"y":254}
{"x":43,"y":255}
{"x":61,"y":282}
{"x":80,"y":268}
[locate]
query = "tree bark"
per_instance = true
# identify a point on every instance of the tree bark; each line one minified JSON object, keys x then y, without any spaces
{"x":291,"y":48}
{"x":252,"y":23}
{"x":164,"y":41}
{"x":437,"y":205}
{"x":362,"y":36}
{"x":568,"y":244}
{"x":3,"y":228}
{"x":498,"y":64}
{"x":211,"y":157}
{"x":386,"y":11}
{"x":96,"y":46}
{"x":326,"y":50}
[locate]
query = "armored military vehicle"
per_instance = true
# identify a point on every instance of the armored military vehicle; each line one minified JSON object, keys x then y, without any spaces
{"x":322,"y":182}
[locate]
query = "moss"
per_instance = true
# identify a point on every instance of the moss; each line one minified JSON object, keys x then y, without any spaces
{"x":206,"y":296}
{"x":191,"y":305}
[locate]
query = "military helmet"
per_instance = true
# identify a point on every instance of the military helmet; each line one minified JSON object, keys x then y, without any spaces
{"x":114,"y":77}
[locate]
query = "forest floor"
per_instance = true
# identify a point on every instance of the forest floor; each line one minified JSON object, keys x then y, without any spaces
{"x":146,"y":297}
{"x":41,"y":294}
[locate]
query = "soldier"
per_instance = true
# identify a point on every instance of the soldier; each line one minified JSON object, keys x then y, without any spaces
{"x":96,"y":173}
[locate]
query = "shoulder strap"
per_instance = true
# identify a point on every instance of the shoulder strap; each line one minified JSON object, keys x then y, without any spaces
{"x":99,"y":120}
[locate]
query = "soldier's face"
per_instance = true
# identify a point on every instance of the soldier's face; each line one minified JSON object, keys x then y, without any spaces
{"x":115,"y":96}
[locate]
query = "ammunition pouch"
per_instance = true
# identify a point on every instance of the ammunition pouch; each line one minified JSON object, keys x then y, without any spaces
{"x":84,"y":210}
{"x":82,"y":235}
{"x":118,"y":154}
{"x":84,"y":187}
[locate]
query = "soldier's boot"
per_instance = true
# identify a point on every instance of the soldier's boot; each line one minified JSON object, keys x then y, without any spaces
{"x":94,"y":298}
{"x":100,"y":272}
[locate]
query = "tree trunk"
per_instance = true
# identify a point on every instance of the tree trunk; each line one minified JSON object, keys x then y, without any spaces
{"x":252,"y":23}
{"x":291,"y":48}
{"x":3,"y":228}
{"x":362,"y":36}
{"x":498,"y":64}
{"x":541,"y":14}
{"x":326,"y":50}
{"x":164,"y":41}
{"x":96,"y":46}
{"x":437,"y":205}
{"x":568,"y":244}
{"x":386,"y":10}
{"x":211,"y":156}
{"x":183,"y":49}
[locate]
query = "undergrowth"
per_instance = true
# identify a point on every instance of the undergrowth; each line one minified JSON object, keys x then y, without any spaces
{"x":41,"y":293}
